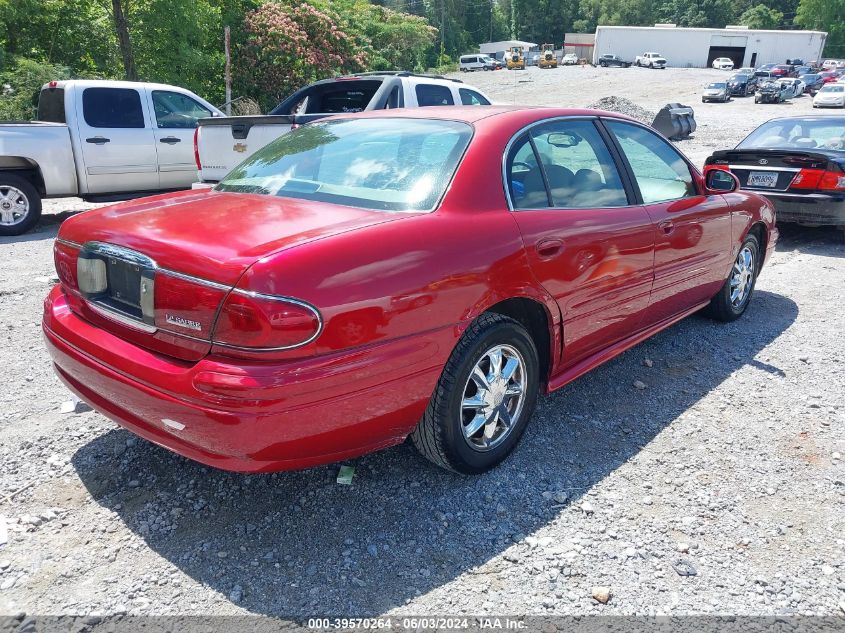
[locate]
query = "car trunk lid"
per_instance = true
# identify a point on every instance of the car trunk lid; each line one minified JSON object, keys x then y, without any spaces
{"x":155,"y":271}
{"x":771,"y":169}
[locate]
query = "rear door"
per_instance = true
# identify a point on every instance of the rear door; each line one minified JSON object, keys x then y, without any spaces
{"x":692,"y":230}
{"x":589,"y":244}
{"x":176,"y":117}
{"x":116,"y":136}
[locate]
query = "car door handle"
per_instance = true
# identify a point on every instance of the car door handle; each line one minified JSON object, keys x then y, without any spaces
{"x":170,"y":140}
{"x":667,"y":226}
{"x":98,"y":140}
{"x":548,"y":248}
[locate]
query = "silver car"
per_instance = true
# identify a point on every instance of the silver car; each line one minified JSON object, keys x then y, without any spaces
{"x":716,"y":91}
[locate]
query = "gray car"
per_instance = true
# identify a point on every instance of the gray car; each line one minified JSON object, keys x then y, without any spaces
{"x":716,"y":91}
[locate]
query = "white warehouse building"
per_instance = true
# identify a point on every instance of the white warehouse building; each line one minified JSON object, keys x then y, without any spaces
{"x":697,"y":48}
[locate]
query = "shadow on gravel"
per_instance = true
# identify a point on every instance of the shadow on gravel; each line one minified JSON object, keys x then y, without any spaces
{"x":39,"y":233}
{"x":298,"y":544}
{"x":823,"y":240}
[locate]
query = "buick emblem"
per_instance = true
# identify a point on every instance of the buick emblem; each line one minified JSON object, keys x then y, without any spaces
{"x":763,"y":161}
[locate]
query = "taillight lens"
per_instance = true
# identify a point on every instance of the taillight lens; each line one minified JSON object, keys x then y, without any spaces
{"x":65,"y":256}
{"x":819,"y":179}
{"x":832,"y":181}
{"x":185,"y":306}
{"x":197,"y":148}
{"x":255,"y":322}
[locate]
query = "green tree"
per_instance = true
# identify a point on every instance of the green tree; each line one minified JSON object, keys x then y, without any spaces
{"x":20,"y":85}
{"x":289,"y":45}
{"x":825,"y":15}
{"x":761,"y":17}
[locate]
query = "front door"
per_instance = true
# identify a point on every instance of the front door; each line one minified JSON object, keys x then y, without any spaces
{"x":176,"y":117}
{"x":117,"y":141}
{"x":587,"y":244}
{"x":692,"y":230}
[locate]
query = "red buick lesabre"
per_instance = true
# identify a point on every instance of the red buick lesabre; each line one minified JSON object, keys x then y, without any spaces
{"x":374,"y":276}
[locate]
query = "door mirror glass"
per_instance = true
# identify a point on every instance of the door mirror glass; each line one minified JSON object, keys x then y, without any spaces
{"x":721,"y":180}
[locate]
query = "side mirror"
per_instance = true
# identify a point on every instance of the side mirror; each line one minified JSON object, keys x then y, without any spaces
{"x":721,"y":181}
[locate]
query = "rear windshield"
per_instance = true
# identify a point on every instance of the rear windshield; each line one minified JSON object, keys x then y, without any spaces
{"x":336,"y":97}
{"x":827,"y":133}
{"x":51,"y":105}
{"x":382,"y":164}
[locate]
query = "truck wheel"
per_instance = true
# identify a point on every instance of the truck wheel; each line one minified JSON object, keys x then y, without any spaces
{"x":20,"y":205}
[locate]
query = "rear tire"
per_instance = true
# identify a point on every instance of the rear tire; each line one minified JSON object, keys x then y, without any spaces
{"x":733,"y":298}
{"x":20,"y":205}
{"x":464,"y":427}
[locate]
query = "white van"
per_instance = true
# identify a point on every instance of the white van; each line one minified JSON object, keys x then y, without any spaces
{"x":469,"y":63}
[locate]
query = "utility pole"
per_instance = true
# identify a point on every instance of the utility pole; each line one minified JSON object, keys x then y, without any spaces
{"x":442,"y":26}
{"x":228,"y":72}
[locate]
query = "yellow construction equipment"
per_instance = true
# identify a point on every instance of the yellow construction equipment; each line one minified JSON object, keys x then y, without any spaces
{"x":515,"y":58}
{"x":548,"y":59}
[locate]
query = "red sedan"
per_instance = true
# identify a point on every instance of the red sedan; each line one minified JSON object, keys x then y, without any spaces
{"x":380,"y":275}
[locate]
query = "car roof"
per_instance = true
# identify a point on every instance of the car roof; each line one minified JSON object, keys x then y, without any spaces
{"x":471,"y":114}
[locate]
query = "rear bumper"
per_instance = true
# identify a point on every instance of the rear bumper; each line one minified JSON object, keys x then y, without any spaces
{"x":810,"y":209}
{"x":250,"y":417}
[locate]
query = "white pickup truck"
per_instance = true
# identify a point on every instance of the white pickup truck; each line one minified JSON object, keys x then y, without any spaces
{"x":223,"y":143}
{"x":650,"y":60}
{"x":100,"y":140}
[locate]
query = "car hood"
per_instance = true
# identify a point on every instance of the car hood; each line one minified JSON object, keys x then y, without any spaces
{"x":216,"y":235}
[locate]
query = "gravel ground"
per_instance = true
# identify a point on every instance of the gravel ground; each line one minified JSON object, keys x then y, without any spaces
{"x":719,"y":487}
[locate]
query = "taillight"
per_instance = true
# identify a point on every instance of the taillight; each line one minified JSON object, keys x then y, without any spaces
{"x":832,"y":181}
{"x":197,"y":148}
{"x":251,"y":322}
{"x":819,"y":179}
{"x":186,"y":307}
{"x":807,"y":179}
{"x":65,"y":256}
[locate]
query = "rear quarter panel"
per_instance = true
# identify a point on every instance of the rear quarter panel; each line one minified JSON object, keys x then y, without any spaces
{"x":748,"y":209}
{"x":48,"y":147}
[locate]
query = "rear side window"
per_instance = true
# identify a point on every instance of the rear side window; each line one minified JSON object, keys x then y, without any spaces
{"x":471,"y":97}
{"x":112,"y":108}
{"x":660,"y":171}
{"x":51,"y":105}
{"x":433,"y":95}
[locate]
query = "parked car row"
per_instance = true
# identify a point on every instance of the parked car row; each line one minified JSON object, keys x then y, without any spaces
{"x":178,"y":320}
{"x":111,"y":140}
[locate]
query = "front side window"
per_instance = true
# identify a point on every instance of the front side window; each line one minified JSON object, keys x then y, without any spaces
{"x":385,"y":164}
{"x":660,"y":171}
{"x":175,"y":110}
{"x":471,"y":97}
{"x":579,"y":168}
{"x":112,"y":108}
{"x":433,"y":95}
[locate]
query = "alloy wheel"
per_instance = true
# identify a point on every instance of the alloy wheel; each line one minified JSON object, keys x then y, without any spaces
{"x":14,"y":205}
{"x":493,"y":397}
{"x":742,"y":277}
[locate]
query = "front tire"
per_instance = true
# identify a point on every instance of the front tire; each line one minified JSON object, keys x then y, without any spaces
{"x":20,"y":205}
{"x":731,"y":301}
{"x":484,"y":398}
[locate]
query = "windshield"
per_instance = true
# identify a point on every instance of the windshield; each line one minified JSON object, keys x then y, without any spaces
{"x":381,"y":164}
{"x":829,"y":88}
{"x":716,"y":86}
{"x":826,"y":133}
